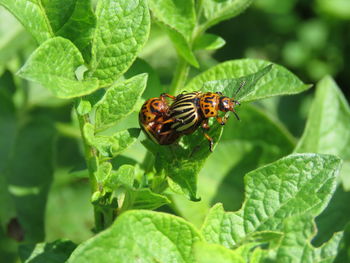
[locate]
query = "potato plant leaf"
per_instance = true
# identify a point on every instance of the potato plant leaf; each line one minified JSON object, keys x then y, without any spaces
{"x":79,"y":26}
{"x":144,"y":199}
{"x":32,"y":17}
{"x":209,"y":42}
{"x":53,"y":252}
{"x":216,"y":11}
{"x":146,"y":235}
{"x":111,"y":145}
{"x":208,"y":253}
{"x":279,"y":81}
{"x":72,"y":19}
{"x":121,"y":31}
{"x":119,"y":101}
{"x":327,"y":129}
{"x":179,"y":20}
{"x":296,"y":244}
{"x":53,"y":65}
{"x":296,"y":184}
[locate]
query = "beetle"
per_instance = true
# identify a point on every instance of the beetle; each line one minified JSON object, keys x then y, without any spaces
{"x":191,"y":110}
{"x":155,"y":121}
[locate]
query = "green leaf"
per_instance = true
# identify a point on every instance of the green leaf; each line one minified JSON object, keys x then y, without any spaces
{"x":327,"y":129}
{"x":208,"y":253}
{"x":84,"y":107}
{"x":179,"y":14}
{"x":182,"y":162}
{"x":145,"y":199}
{"x":209,"y":42}
{"x":79,"y":26}
{"x":53,"y":252}
{"x":245,"y":85}
{"x":121,"y":31}
{"x":119,"y":101}
{"x":53,"y":65}
{"x":182,"y":46}
{"x":111,"y":145}
{"x":29,"y":176}
{"x":137,"y":235}
{"x":123,"y":176}
{"x":216,"y":11}
{"x":179,"y":20}
{"x":243,"y":147}
{"x":296,"y":244}
{"x":32,"y":16}
{"x":278,"y":81}
{"x":296,"y":184}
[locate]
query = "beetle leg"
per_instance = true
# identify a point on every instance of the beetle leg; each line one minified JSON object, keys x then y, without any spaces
{"x":166,"y":132}
{"x":167,"y":121}
{"x":235,"y":113}
{"x":205,"y":126}
{"x":163,"y":95}
{"x":221,"y":120}
{"x":211,"y":141}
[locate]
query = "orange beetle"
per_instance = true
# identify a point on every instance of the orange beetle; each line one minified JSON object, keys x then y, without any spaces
{"x":155,"y":121}
{"x":191,"y":110}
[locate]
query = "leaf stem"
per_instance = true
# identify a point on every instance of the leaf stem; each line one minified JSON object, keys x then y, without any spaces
{"x":180,"y":75}
{"x":91,"y":158}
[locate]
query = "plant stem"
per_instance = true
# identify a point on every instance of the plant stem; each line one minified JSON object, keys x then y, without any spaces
{"x":100,"y":214}
{"x":180,"y":75}
{"x":183,"y":68}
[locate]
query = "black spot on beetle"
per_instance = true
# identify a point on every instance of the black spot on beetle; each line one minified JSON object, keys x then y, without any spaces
{"x":207,"y":111}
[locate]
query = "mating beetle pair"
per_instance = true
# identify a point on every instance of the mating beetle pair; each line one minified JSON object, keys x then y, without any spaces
{"x":165,"y":123}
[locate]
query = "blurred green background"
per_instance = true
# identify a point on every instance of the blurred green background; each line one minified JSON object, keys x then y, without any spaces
{"x":311,"y":38}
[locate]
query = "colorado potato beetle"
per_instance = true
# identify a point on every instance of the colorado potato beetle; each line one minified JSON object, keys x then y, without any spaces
{"x":194,"y":109}
{"x":155,"y":121}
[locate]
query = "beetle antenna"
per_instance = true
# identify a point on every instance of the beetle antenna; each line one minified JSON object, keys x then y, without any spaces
{"x":240,"y":86}
{"x":236,"y":115}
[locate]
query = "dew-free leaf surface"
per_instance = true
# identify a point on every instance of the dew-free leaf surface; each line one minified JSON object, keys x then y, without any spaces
{"x":279,"y":81}
{"x":296,"y":184}
{"x":64,"y":58}
{"x":122,"y":29}
{"x":136,"y":235}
